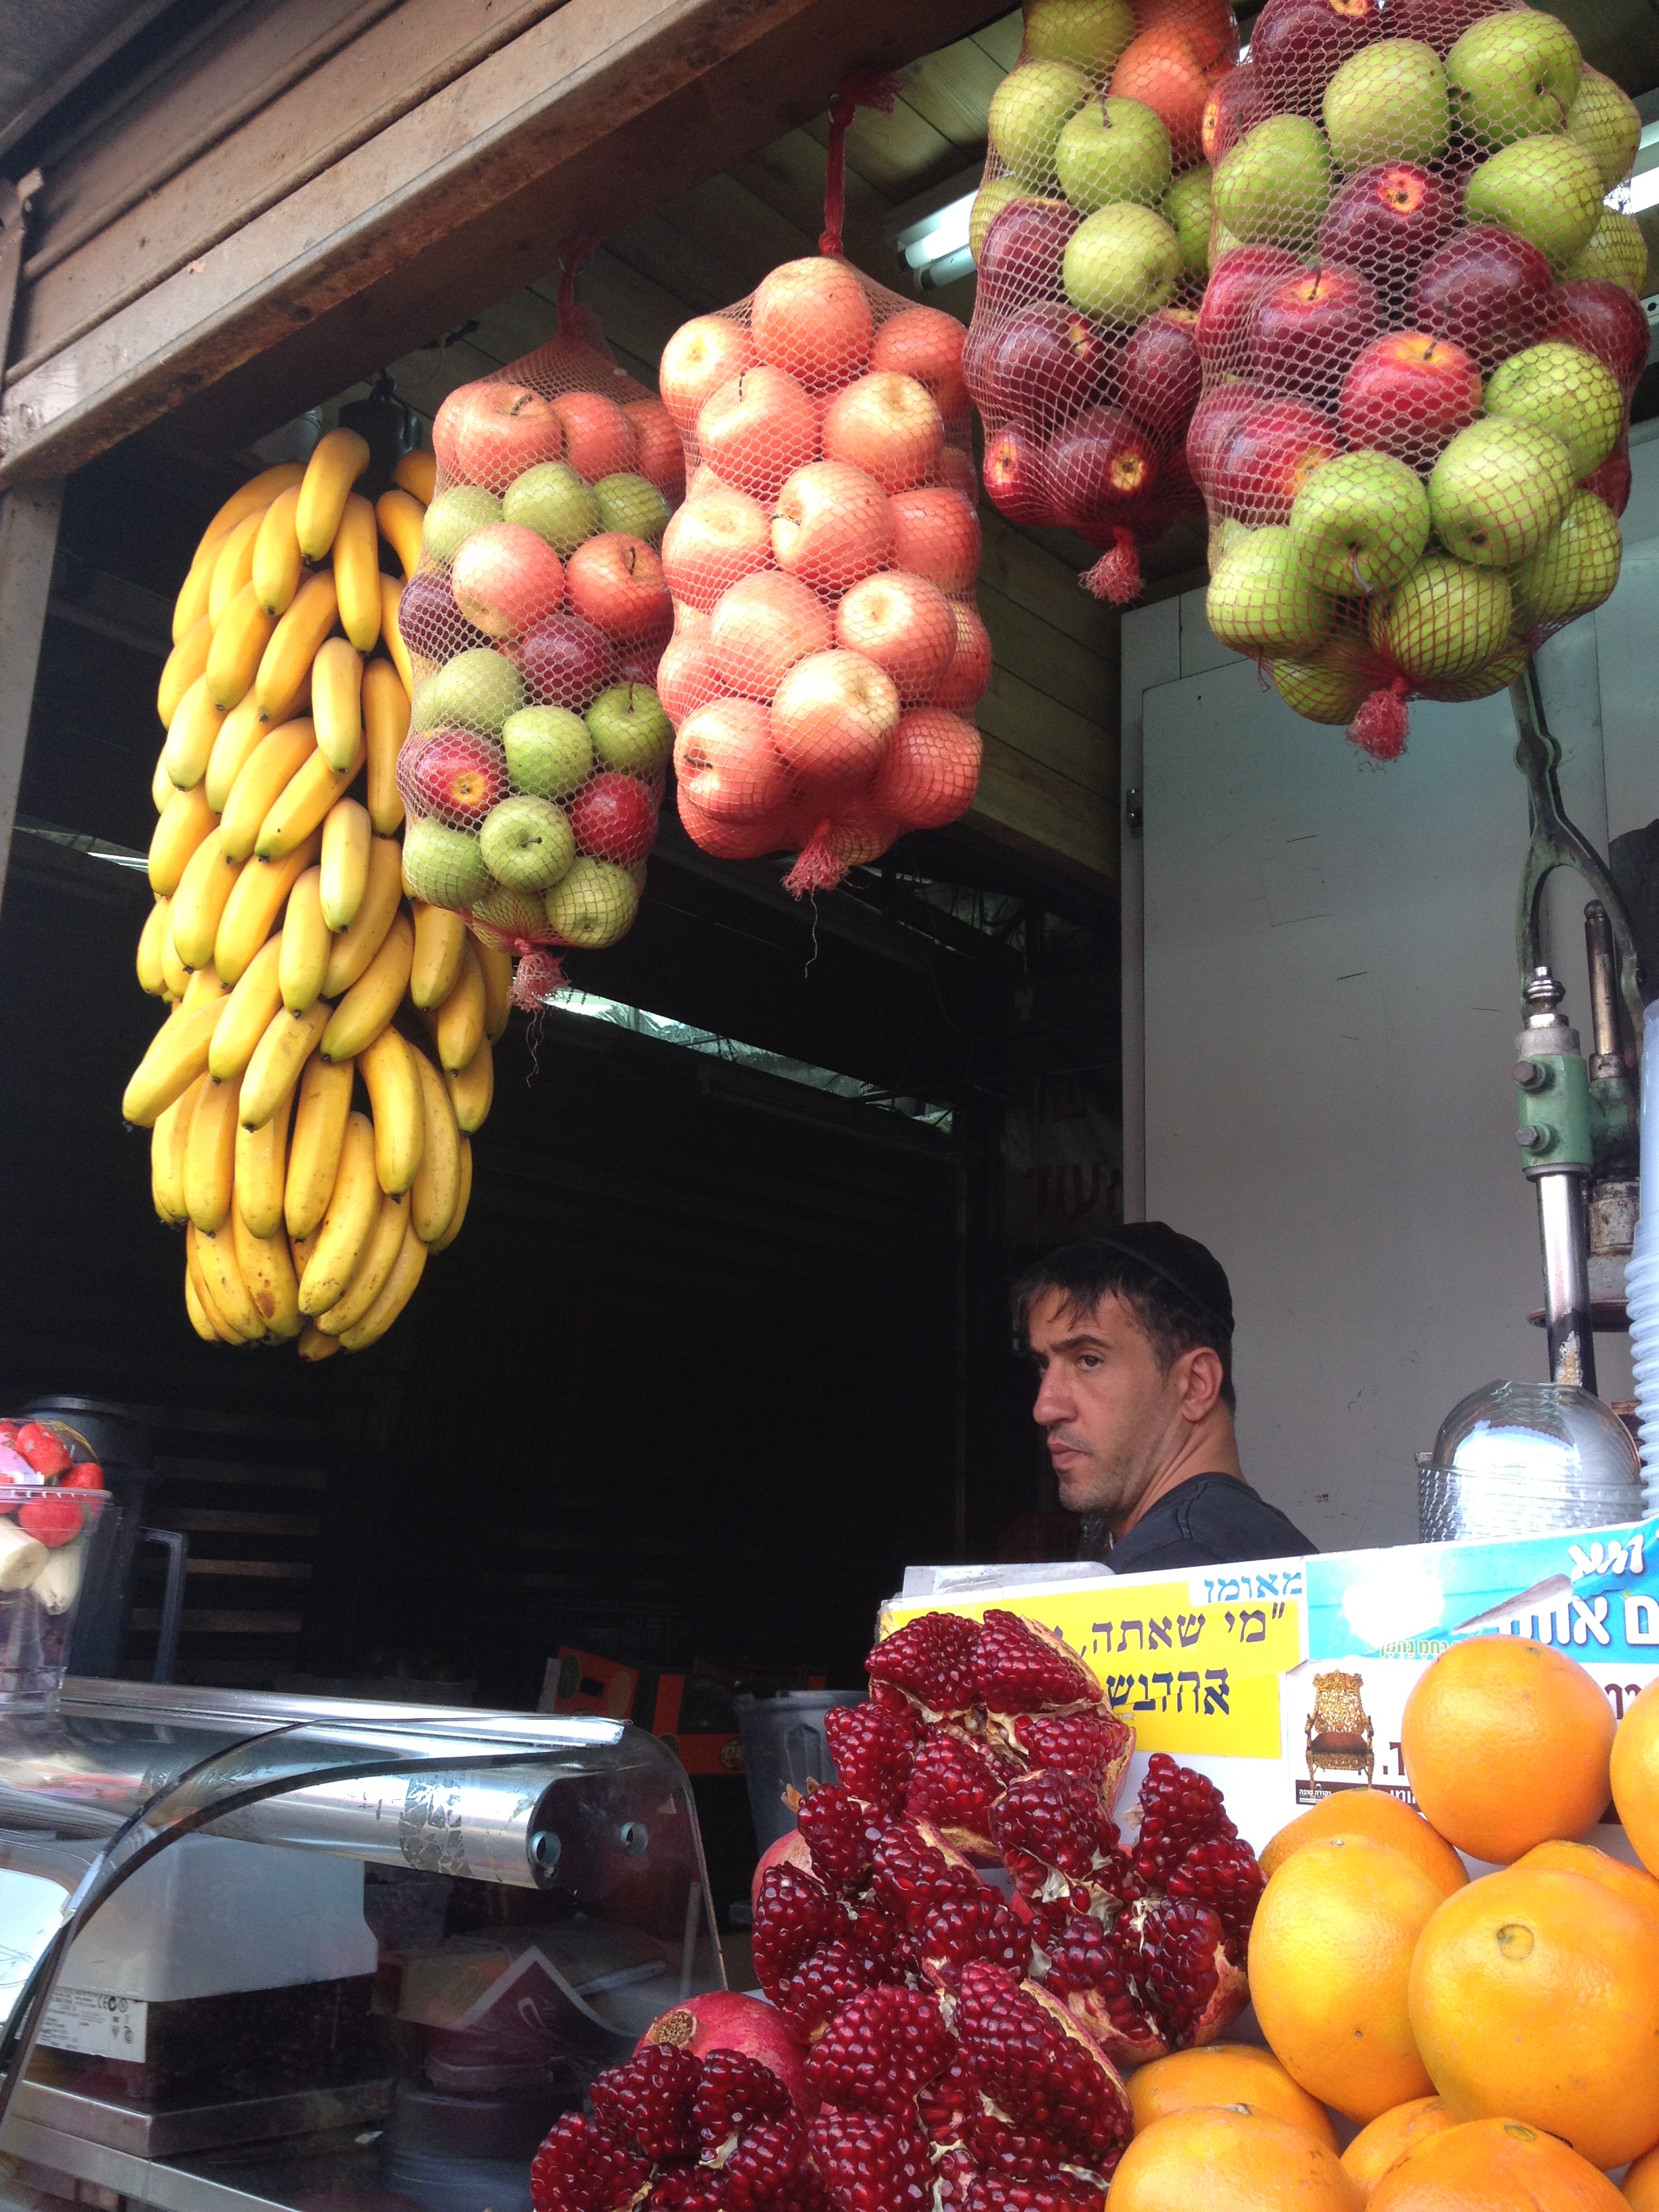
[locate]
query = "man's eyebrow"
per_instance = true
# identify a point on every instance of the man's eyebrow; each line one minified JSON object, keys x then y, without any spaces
{"x":1080,"y":1343}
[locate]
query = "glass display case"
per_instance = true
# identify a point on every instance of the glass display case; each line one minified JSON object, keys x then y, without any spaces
{"x":334,"y":1957}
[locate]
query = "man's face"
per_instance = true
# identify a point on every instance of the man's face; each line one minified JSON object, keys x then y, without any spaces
{"x":1111,"y":1412}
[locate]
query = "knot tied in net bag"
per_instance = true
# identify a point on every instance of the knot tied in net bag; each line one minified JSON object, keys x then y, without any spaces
{"x":827,"y":654}
{"x":1419,"y":341}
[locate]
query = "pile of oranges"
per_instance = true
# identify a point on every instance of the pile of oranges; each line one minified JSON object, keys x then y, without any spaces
{"x":1497,"y":2039}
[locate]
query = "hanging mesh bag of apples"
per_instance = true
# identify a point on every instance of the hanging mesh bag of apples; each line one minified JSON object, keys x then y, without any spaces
{"x":827,"y":654}
{"x":1091,"y":237}
{"x":1419,"y":342}
{"x":534,"y":769}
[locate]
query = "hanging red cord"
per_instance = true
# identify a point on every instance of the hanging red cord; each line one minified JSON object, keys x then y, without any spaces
{"x":863,"y":88}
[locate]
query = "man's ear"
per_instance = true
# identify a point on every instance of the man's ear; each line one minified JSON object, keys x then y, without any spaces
{"x":1201,"y":1382}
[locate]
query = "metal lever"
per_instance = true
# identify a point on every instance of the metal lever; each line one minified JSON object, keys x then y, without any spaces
{"x":177,"y":1548}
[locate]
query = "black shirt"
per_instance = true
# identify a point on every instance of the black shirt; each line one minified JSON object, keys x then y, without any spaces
{"x":1208,"y":1521}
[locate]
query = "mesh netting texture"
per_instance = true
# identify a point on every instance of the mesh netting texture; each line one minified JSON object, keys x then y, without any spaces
{"x":1419,"y":341}
{"x":535,"y":766}
{"x":1091,"y":237}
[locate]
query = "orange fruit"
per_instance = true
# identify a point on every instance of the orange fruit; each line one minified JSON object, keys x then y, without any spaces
{"x":1384,"y":1818}
{"x":1330,"y":1963}
{"x":1226,"y":2158}
{"x":1634,"y":1884}
{"x":1494,"y":2165}
{"x":1225,"y":2074}
{"x":1636,"y":1776}
{"x":1505,"y":1744}
{"x":1641,"y":2186}
{"x":1391,"y":2135}
{"x":1534,"y":1996}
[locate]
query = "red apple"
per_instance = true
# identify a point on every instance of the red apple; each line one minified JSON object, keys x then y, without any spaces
{"x":1386,"y":223}
{"x":1605,"y":320}
{"x":1611,"y":482}
{"x":1173,"y":71}
{"x":1270,"y":455}
{"x":566,"y":662}
{"x":1162,"y":375}
{"x":702,"y":355}
{"x":660,"y":456}
{"x":599,"y":437}
{"x":1102,"y":467}
{"x":616,"y":582}
{"x":1233,"y":108}
{"x":1409,"y":395}
{"x":762,"y":627}
{"x":832,"y":525}
{"x":1046,"y":363}
{"x":718,"y":536}
{"x":1215,"y":418}
{"x":506,"y":577}
{"x":1016,"y":475}
{"x":1175,"y":498}
{"x":1237,"y":283}
{"x":781,"y":831}
{"x":490,"y":432}
{"x":936,"y":534}
{"x":1297,"y":46}
{"x":810,"y":318}
{"x":904,"y":624}
{"x":926,"y":343}
{"x":832,"y":718}
{"x":615,"y":818}
{"x":454,"y":774}
{"x":887,"y":425}
{"x":962,"y":683}
{"x":688,"y":675}
{"x":430,"y":620}
{"x":1488,"y":291}
{"x":929,"y":771}
{"x":759,"y":429}
{"x":1024,"y":250}
{"x":726,"y":763}
{"x":1306,"y":333}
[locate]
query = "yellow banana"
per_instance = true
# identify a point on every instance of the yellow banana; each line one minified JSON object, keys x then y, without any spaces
{"x":187,"y":660}
{"x":303,"y":946}
{"x":177,"y":1053}
{"x":398,"y":1289}
{"x":175,"y":974}
{"x":234,"y":566}
{"x":185,"y":821}
{"x":266,"y":1266}
{"x":437,"y":1188}
{"x":203,"y":988}
{"x":380,"y":1255}
{"x":285,"y":668}
{"x":277,"y":563}
{"x":337,"y":700}
{"x":239,"y":641}
{"x":417,"y":475}
{"x":387,"y":1067}
{"x":471,"y":1090}
{"x":152,"y":974}
{"x":400,"y":515}
{"x":210,"y":1155}
{"x":252,"y":908}
{"x":373,"y":998}
{"x":298,"y":814}
{"x":337,"y":460}
{"x":463,"y":1193}
{"x":347,"y":837}
{"x":278,"y":1057}
{"x":200,"y":901}
{"x":354,"y":1208}
{"x":196,"y":1282}
{"x":439,"y":941}
{"x":161,"y":784}
{"x":197,"y":589}
{"x":313,"y":1152}
{"x":261,"y":1171}
{"x":313,"y":1344}
{"x":497,"y":966}
{"x":223,"y":1279}
{"x":257,"y":492}
{"x":248,"y":1013}
{"x":168,"y":1141}
{"x":265,"y":775}
{"x":458,"y":1025}
{"x":385,"y":725}
{"x":391,"y":592}
{"x":357,"y":944}
{"x":243,"y":730}
{"x":200,"y":1319}
{"x":357,"y":573}
{"x":191,"y":736}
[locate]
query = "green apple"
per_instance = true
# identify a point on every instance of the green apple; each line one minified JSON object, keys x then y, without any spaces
{"x":630,"y":730}
{"x":1331,"y":684}
{"x":1029,"y":110}
{"x":1261,"y":599}
{"x":442,"y":867}
{"x":527,"y":843}
{"x":593,"y":905}
{"x":1494,"y":675}
{"x":1387,"y":103}
{"x":515,"y":913}
{"x":1605,"y":121}
{"x":1187,"y":209}
{"x":1273,"y":188}
{"x":1547,"y":191}
{"x":1122,"y":264}
{"x":989,"y":201}
{"x":1226,"y":532}
{"x":1574,"y":569}
{"x":1618,"y":251}
{"x":452,"y":519}
{"x":476,"y":690}
{"x":1497,"y":490}
{"x":1223,"y":242}
{"x":1113,"y":150}
{"x":549,"y":752}
{"x":1090,"y":34}
{"x":555,"y":502}
{"x":1561,"y":388}
{"x":1513,"y":75}
{"x":634,"y":504}
{"x":1444,"y":620}
{"x":1360,"y":523}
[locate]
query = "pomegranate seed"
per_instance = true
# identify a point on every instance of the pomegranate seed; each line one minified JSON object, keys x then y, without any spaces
{"x":794,"y":1913}
{"x":1023,"y":1668}
{"x":1053,"y":2192}
{"x":981,"y":1926}
{"x":880,"y":2049}
{"x":954,"y":2172}
{"x":1092,"y":1970}
{"x":947,"y":2102}
{"x":826,"y":1980}
{"x":872,"y":1748}
{"x":931,"y":1659}
{"x":914,"y":1869}
{"x":582,"y":2168}
{"x":841,"y":1832}
{"x":736,"y":2091}
{"x":953,"y":1786}
{"x":1047,"y":2073}
{"x":1098,"y":1747}
{"x":1178,"y":1808}
{"x":648,"y":2102}
{"x":684,"y":2188}
{"x":1225,"y":1874}
{"x":887,"y":1952}
{"x":770,"y":2171}
{"x":1192,"y":1987}
{"x":1054,"y":1820}
{"x":874,"y":2161}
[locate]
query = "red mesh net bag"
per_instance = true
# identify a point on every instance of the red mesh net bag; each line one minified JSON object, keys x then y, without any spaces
{"x":534,"y":769}
{"x":1091,"y":236}
{"x":1419,"y":342}
{"x":827,"y":654}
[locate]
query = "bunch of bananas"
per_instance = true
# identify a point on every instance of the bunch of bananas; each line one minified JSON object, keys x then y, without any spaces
{"x":298,"y":976}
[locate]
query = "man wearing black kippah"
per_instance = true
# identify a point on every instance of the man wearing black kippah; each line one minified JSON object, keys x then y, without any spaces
{"x":1132,"y":1337}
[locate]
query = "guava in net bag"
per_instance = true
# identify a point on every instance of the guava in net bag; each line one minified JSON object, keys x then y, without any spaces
{"x":1419,"y":342}
{"x":534,"y":769}
{"x":827,"y":654}
{"x":1091,"y":237}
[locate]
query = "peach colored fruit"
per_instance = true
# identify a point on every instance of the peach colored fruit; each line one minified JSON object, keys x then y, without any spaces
{"x":833,"y":716}
{"x":888,"y":425}
{"x":810,"y":318}
{"x":762,"y":627}
{"x":832,"y":525}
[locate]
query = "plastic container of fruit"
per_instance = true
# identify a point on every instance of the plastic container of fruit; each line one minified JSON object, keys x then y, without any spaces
{"x":46,"y":1532}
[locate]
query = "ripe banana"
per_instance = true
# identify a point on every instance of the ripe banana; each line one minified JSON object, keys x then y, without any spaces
{"x":234,"y":565}
{"x":357,"y":573}
{"x":400,"y":516}
{"x":248,"y":1013}
{"x":210,"y":1155}
{"x":239,"y":643}
{"x":191,"y":735}
{"x":203,"y":988}
{"x":257,"y":492}
{"x":285,"y":668}
{"x":373,"y":998}
{"x":224,"y":1283}
{"x":266,"y":1268}
{"x":337,"y":460}
{"x":161,"y":784}
{"x":253,"y":907}
{"x":152,"y":972}
{"x":387,"y":1067}
{"x":398,"y":1289}
{"x":348,"y":838}
{"x":186,"y":661}
{"x":440,"y":940}
{"x":357,"y":944}
{"x":200,"y":901}
{"x":464,"y":1191}
{"x":196,"y":1281}
{"x":380,"y":1255}
{"x":197,"y":589}
{"x":175,"y":973}
{"x":278,"y":1057}
{"x":261,"y":1171}
{"x":168,"y":1141}
{"x":277,"y":561}
{"x":302,"y":946}
{"x":314,"y":1153}
{"x":417,"y":474}
{"x":185,"y":821}
{"x":337,"y":700}
{"x":299,"y":813}
{"x":241,"y":732}
{"x":458,"y":1026}
{"x":200,"y":1319}
{"x":471,"y":1090}
{"x":385,"y":725}
{"x":391,"y":592}
{"x":497,"y":966}
{"x":353,"y":1206}
{"x":265,"y":775}
{"x":177,"y":1053}
{"x":436,"y":1190}
{"x":313,"y":1344}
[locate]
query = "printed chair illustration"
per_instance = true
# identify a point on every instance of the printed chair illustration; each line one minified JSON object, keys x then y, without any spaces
{"x":1338,"y":1728}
